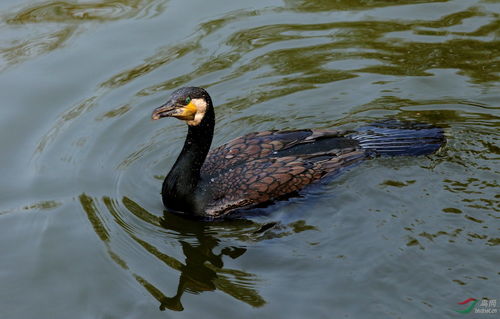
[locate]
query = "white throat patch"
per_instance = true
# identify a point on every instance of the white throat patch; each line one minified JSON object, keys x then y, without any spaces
{"x":201,"y":108}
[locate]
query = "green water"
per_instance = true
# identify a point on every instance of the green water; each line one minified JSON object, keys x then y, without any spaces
{"x":82,"y":231}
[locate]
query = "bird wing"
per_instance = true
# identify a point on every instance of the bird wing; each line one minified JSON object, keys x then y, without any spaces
{"x":261,"y":180}
{"x":258,"y":145}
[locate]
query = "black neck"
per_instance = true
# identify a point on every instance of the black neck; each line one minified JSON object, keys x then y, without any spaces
{"x":180,"y":184}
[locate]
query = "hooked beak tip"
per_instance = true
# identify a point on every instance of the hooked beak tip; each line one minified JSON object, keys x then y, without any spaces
{"x":163,"y":111}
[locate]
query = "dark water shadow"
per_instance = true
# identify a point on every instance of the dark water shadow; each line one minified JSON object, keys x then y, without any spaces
{"x":204,"y":246}
{"x":328,"y":5}
{"x":203,"y":269}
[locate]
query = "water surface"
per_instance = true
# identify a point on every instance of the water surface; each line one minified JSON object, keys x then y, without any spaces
{"x":83,"y":232}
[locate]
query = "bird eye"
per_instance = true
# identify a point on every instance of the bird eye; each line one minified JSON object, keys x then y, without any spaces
{"x":188,"y":99}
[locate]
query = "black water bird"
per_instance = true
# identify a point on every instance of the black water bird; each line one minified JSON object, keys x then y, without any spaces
{"x":260,"y":167}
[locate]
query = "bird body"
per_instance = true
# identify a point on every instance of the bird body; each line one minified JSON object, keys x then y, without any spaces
{"x":260,"y":167}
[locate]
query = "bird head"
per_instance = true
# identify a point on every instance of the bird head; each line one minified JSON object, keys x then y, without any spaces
{"x":189,"y":104}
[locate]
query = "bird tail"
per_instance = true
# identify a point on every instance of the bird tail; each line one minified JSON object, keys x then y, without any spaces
{"x":393,"y":138}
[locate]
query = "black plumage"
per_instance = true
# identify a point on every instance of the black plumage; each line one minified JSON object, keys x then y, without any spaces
{"x":259,"y":167}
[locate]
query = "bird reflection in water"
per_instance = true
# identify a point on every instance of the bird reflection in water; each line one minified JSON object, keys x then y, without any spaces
{"x":200,"y":270}
{"x":203,"y":268}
